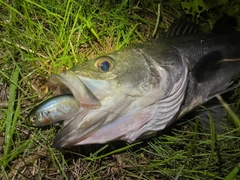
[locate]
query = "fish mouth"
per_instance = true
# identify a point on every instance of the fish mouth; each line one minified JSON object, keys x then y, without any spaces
{"x":89,"y":94}
{"x":69,"y":82}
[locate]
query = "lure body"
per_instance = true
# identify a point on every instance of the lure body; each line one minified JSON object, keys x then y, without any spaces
{"x":53,"y":110}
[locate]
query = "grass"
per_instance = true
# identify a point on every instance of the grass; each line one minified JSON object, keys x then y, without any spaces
{"x":42,"y":37}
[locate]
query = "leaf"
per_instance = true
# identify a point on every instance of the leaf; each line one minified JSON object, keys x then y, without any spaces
{"x":194,"y":7}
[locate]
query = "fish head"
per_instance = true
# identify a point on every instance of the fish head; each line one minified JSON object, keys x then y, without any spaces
{"x":121,"y":95}
{"x":35,"y":118}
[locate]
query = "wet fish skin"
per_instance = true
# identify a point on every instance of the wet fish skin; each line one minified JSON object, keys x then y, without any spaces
{"x":148,"y":86}
{"x":55,"y":109}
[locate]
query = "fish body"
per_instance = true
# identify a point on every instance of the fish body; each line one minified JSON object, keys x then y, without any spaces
{"x":135,"y":92}
{"x":55,"y":109}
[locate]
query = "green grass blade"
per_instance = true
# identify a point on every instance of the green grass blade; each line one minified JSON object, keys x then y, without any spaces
{"x":213,"y":135}
{"x":61,"y":166}
{"x":194,"y":138}
{"x":59,"y":17}
{"x":233,"y":173}
{"x":112,"y":152}
{"x":10,"y":112}
{"x":179,"y":173}
{"x":11,"y":8}
{"x":13,"y":82}
{"x":233,"y":115}
{"x":128,"y":37}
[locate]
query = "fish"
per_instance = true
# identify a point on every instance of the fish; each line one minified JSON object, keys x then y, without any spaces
{"x":53,"y":110}
{"x":138,"y":91}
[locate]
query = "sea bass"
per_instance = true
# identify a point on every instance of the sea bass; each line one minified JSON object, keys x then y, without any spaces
{"x":53,"y":110}
{"x":135,"y":92}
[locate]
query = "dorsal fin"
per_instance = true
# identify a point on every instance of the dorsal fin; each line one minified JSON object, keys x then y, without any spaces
{"x":225,"y":24}
{"x":180,"y":27}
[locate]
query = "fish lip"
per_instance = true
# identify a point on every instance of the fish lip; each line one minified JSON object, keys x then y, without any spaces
{"x":69,"y":82}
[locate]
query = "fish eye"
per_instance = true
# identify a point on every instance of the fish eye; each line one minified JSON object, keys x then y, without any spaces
{"x":33,"y":118}
{"x":104,"y":64}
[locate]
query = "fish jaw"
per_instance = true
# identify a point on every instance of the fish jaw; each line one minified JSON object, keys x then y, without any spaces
{"x":108,"y":123}
{"x":90,"y":94}
{"x":69,"y":82}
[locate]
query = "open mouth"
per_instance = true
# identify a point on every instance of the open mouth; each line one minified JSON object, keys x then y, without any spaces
{"x":69,"y":82}
{"x":89,"y":93}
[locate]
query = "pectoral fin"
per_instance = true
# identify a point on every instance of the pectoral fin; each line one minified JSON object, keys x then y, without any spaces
{"x":207,"y":66}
